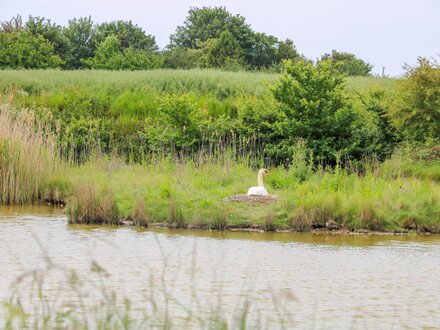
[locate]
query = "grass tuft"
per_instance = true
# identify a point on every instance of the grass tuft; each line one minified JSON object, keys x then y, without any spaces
{"x":90,"y":206}
{"x":269,"y":222}
{"x":175,"y":215}
{"x":140,"y":215}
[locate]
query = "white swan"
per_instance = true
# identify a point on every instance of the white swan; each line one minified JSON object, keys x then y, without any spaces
{"x":260,"y":190}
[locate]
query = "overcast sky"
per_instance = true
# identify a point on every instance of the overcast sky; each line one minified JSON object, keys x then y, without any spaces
{"x":386,"y":33}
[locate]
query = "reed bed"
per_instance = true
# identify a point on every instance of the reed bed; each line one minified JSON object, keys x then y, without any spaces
{"x":28,"y":157}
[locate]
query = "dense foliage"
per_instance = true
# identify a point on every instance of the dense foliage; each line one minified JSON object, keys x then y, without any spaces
{"x":348,"y":63}
{"x":185,"y":113}
{"x":314,"y":107}
{"x":215,"y":32}
{"x":22,"y":50}
{"x":416,"y":110}
{"x":210,"y":37}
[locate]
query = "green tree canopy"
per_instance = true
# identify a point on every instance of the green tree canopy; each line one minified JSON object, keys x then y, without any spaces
{"x":203,"y":28}
{"x":40,"y":26}
{"x":81,"y":35}
{"x":348,"y":63}
{"x":287,"y":51}
{"x":222,"y":52}
{"x":110,"y":55}
{"x":129,"y":35}
{"x":22,"y":50}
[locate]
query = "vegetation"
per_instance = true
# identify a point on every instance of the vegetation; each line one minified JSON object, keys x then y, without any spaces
{"x":28,"y":159}
{"x":184,"y":113}
{"x":210,"y":37}
{"x":417,"y":110}
{"x":169,"y":146}
{"x":348,"y":63}
{"x":315,"y":108}
{"x":87,"y":299}
{"x":400,"y":194}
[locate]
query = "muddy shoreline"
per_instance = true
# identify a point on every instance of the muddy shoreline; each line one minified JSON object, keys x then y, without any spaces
{"x":331,"y":227}
{"x":256,"y":228}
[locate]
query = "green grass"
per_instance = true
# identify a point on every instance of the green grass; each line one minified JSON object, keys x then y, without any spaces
{"x":178,"y":81}
{"x":102,"y":112}
{"x":220,"y":83}
{"x":159,"y":111}
{"x":373,"y":201}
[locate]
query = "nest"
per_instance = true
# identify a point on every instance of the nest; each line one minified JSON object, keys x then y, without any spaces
{"x":257,"y":199}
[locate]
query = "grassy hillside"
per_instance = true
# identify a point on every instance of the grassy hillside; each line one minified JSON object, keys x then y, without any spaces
{"x":180,"y":81}
{"x":160,"y":111}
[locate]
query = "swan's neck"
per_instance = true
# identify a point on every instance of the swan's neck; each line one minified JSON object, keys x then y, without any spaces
{"x":260,"y":179}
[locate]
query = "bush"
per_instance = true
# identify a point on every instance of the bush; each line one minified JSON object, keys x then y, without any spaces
{"x":416,"y":111}
{"x":313,"y":106}
{"x":22,"y":50}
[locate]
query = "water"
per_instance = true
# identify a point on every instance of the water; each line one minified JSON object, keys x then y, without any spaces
{"x":300,"y":280}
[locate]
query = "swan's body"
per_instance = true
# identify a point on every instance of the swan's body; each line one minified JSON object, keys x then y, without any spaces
{"x":260,"y":190}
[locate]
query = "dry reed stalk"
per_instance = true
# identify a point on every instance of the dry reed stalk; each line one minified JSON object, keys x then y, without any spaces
{"x":28,"y":156}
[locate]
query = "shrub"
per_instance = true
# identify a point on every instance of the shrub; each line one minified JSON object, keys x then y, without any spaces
{"x":416,"y":110}
{"x":314,"y":107}
{"x":22,"y":50}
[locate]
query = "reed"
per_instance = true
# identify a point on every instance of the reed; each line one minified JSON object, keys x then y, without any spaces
{"x":28,"y":157}
{"x":90,"y":205}
{"x":141,"y":216}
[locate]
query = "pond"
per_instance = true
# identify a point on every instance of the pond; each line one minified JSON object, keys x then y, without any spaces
{"x":280,"y":279}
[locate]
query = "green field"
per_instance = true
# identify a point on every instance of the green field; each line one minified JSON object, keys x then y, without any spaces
{"x":180,"y":81}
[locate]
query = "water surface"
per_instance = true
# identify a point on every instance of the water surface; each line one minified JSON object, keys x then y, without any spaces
{"x":299,"y":280}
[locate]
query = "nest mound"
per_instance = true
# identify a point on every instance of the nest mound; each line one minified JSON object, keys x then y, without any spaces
{"x":257,"y":199}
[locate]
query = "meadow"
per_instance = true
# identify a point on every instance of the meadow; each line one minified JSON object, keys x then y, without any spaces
{"x":103,"y":146}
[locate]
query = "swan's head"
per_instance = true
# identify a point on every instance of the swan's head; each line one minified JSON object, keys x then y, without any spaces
{"x":263,"y":171}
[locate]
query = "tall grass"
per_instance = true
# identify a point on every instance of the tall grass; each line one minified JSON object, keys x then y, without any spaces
{"x":28,"y":157}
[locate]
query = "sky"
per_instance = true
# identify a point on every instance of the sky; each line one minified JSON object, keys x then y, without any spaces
{"x":385,"y":33}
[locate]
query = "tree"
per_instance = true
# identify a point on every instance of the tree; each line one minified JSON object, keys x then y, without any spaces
{"x":287,"y":51}
{"x":264,"y":49}
{"x":110,"y":55}
{"x":22,"y":50}
{"x":181,"y":58}
{"x":381,"y":135}
{"x":13,"y":25}
{"x":348,"y":63}
{"x":205,"y":24}
{"x":203,"y":29}
{"x":313,"y":107}
{"x":222,"y":52}
{"x":40,"y":26}
{"x":416,"y":110}
{"x":81,"y":35}
{"x":129,"y":35}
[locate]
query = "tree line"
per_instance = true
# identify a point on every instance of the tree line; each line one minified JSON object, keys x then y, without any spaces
{"x":208,"y":38}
